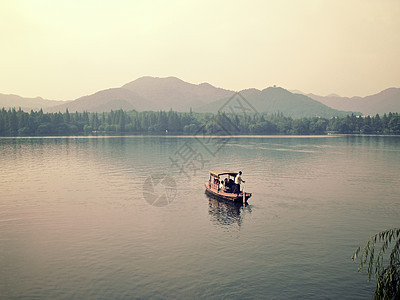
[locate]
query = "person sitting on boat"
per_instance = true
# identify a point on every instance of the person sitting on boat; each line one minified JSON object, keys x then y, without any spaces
{"x":238,"y":181}
{"x":221,"y":186}
{"x":227,"y":185}
{"x":231,"y":184}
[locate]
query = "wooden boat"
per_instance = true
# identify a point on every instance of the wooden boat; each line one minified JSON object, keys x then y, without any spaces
{"x":226,"y":193}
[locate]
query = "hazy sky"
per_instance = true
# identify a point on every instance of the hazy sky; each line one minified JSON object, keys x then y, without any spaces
{"x":62,"y":50}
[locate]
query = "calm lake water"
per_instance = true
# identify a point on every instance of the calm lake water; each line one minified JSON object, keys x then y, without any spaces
{"x":127,"y":217}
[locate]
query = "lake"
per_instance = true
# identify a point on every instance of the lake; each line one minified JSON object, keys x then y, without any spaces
{"x":127,"y":217}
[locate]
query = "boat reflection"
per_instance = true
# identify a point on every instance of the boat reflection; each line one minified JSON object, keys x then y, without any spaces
{"x":226,"y":213}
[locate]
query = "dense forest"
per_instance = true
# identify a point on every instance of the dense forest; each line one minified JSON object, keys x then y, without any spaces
{"x":19,"y":123}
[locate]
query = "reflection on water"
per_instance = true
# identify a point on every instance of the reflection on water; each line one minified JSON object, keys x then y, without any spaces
{"x":227,"y":213}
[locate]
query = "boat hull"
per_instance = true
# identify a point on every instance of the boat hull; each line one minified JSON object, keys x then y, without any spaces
{"x":226,"y":196}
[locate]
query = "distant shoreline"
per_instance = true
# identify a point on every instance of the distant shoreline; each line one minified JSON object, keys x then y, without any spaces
{"x":194,"y":136}
{"x":23,"y":124}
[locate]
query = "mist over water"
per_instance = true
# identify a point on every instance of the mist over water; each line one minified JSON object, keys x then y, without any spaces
{"x":74,"y":221}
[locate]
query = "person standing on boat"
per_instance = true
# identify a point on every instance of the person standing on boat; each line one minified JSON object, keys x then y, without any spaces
{"x":238,"y":181}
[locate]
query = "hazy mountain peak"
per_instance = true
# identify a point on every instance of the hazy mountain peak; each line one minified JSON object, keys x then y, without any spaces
{"x":385,"y":101}
{"x":389,"y":92}
{"x":26,"y":104}
{"x":276,"y":90}
{"x":145,"y":81}
{"x":250,"y":90}
{"x":297,"y":92}
{"x":206,"y":84}
{"x":172,"y":92}
{"x":333,"y":95}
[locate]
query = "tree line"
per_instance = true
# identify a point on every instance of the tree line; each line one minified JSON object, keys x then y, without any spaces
{"x":19,"y":123}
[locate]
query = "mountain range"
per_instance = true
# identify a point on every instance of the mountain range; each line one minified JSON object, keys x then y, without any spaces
{"x":383,"y":102}
{"x":27,"y":104}
{"x":153,"y":93}
{"x":279,"y":100}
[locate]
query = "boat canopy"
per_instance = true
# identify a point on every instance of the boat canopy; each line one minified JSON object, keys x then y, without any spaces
{"x":217,"y":173}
